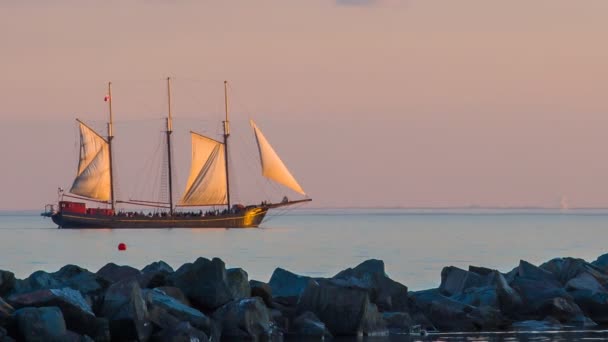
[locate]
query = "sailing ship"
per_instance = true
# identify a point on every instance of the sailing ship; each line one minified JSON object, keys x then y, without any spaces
{"x":208,"y":184}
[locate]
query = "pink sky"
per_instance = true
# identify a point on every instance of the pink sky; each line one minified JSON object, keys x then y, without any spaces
{"x":370,"y":103}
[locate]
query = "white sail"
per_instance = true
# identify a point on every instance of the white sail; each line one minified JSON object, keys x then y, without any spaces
{"x":93,"y":177}
{"x":207,"y":181}
{"x":272,"y":166}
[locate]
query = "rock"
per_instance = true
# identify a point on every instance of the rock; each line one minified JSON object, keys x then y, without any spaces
{"x":344,"y":310}
{"x":585,"y":281}
{"x":77,"y":278}
{"x":262,"y":290}
{"x":386,"y":293}
{"x":204,"y":282}
{"x":528,"y":271}
{"x":562,"y":309}
{"x":482,"y":271}
{"x":114,"y":273}
{"x":40,"y":324}
{"x":238,"y":283}
{"x":536,"y":292}
{"x":509,"y":300}
{"x":309,"y":325}
{"x":478,"y":296}
{"x":450,"y":315}
{"x":286,"y":286}
{"x":246,"y":319}
{"x":602,"y":262}
{"x":126,"y":310}
{"x":38,"y":280}
{"x":176,"y":293}
{"x":180,"y":332}
{"x":6,"y":311}
{"x":159,"y":301}
{"x":7,"y":282}
{"x":157,"y":266}
{"x":533,"y":325}
{"x":399,"y":322}
{"x":564,"y":269}
{"x":593,"y":304}
{"x":455,"y":280}
{"x":77,"y":313}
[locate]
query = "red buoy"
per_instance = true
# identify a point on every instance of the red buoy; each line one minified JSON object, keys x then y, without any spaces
{"x":122,"y":247}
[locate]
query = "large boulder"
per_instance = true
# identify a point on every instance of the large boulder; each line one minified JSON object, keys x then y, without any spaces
{"x":478,"y":296}
{"x":160,"y":303}
{"x":386,"y":293}
{"x":536,"y":292}
{"x":204,"y":282}
{"x":238,"y":282}
{"x":585,"y":282}
{"x":157,"y":266}
{"x":344,"y":310}
{"x":175,"y":293}
{"x":450,"y":315}
{"x":262,"y":290}
{"x":593,"y":304}
{"x":566,"y":269}
{"x":287,"y":286}
{"x":77,"y":278}
{"x":562,"y":309}
{"x":509,"y":300}
{"x":307,"y":325}
{"x":602,"y":262}
{"x":38,"y":280}
{"x":455,"y":280}
{"x":528,"y":271}
{"x":126,"y":310}
{"x":77,"y":313}
{"x":7,"y":282}
{"x":40,"y":324}
{"x":246,"y":319}
{"x":113,"y":273}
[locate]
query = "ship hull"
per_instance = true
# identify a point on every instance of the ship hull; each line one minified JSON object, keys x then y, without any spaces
{"x":248,"y":218}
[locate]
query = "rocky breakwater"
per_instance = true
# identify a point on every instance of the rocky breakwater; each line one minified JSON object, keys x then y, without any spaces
{"x":204,"y":301}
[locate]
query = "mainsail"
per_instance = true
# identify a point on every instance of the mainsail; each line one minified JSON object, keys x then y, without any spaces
{"x":207,"y":181}
{"x":93,"y":177}
{"x":272,"y":166}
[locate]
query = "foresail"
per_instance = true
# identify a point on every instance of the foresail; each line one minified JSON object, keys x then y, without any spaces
{"x":93,"y":176}
{"x":207,"y":181}
{"x":272,"y":166}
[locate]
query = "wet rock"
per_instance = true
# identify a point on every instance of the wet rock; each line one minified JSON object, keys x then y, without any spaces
{"x":204,"y":282}
{"x":450,"y":315}
{"x":399,"y":322}
{"x":180,"y":332}
{"x":585,"y":282}
{"x":40,"y":324}
{"x":309,"y":325}
{"x":238,"y":283}
{"x":38,"y":280}
{"x":157,"y":266}
{"x":286,"y":286}
{"x":509,"y":300}
{"x":478,"y":296}
{"x":562,"y":309}
{"x":593,"y":304}
{"x":262,"y":290}
{"x":161,"y":302}
{"x":7,"y":282}
{"x":455,"y":280}
{"x":126,"y":311}
{"x":114,"y":273}
{"x":246,"y":319}
{"x":386,"y":293}
{"x":78,"y":278}
{"x":77,"y":313}
{"x":536,"y":292}
{"x":6,"y":310}
{"x":175,"y":293}
{"x":344,"y":310}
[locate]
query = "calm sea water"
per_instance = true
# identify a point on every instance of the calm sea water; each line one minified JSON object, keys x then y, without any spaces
{"x":414,"y":244}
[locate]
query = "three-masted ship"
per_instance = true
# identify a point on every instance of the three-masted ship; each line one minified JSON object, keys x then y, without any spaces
{"x":208,"y":184}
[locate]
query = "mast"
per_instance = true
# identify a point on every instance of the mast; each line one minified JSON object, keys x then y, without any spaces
{"x":169,"y":131}
{"x":110,"y":137}
{"x":226,"y":135}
